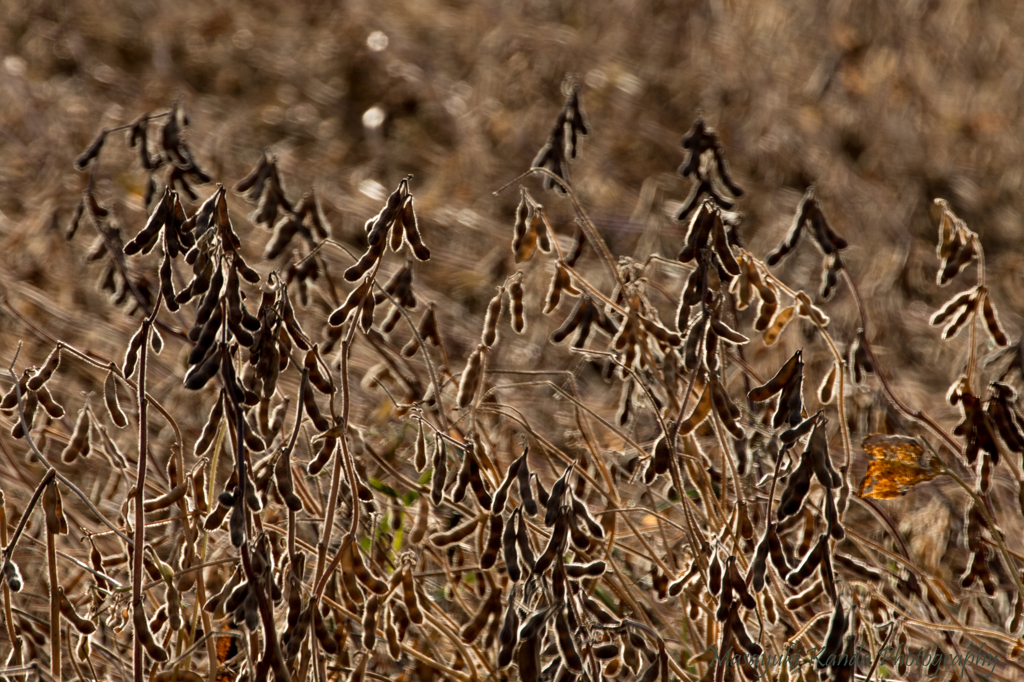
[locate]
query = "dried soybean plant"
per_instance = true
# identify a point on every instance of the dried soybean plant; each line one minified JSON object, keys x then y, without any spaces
{"x":704,"y":523}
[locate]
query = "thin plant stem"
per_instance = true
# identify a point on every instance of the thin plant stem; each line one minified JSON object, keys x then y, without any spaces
{"x":51,"y":568}
{"x":138,"y":659}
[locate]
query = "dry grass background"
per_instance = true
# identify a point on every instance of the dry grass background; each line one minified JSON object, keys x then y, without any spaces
{"x":882,"y":106}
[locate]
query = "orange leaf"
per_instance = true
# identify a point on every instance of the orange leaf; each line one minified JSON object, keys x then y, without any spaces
{"x":898,"y":463}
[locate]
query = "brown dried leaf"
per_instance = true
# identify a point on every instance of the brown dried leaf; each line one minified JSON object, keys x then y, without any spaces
{"x":898,"y":464}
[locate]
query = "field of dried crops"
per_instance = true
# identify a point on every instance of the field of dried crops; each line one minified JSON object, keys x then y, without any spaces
{"x":416,"y":413}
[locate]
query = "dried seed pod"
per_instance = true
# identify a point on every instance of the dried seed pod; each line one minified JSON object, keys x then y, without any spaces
{"x":792,"y":237}
{"x":1002,"y":413}
{"x":501,"y":494}
{"x":110,"y":399}
{"x":370,"y":610}
{"x":778,"y":324}
{"x":211,"y":427}
{"x":91,"y":152}
{"x":809,"y":562}
{"x":283,"y":478}
{"x":320,"y":382}
{"x":509,"y":539}
{"x":327,"y":447}
{"x":767,"y":308}
{"x":173,"y":607}
{"x":567,"y":644}
{"x":523,"y":545}
{"x":524,"y":479}
{"x":79,"y":443}
{"x":594,"y":569}
{"x":494,"y":540}
{"x":553,"y":510}
{"x":795,"y":433}
{"x":759,"y":565}
{"x":472,"y":377}
{"x":698,"y":231}
{"x":965,"y":300}
{"x":82,"y":625}
{"x":580,"y":540}
{"x":216,"y":516}
{"x":830,"y":276}
{"x":365,"y":263}
{"x":539,"y":225}
{"x":523,"y":239}
{"x":363,"y":573}
{"x":992,"y":324}
{"x":726,"y":410}
{"x":490,"y":331}
{"x":391,"y":635}
{"x":555,"y":546}
{"x":348,"y":577}
{"x":420,"y":458}
{"x":419,"y":529}
{"x":410,"y":598}
{"x":159,"y":619}
{"x":817,"y":450}
{"x":560,"y":282}
{"x":310,"y":407}
{"x":131,"y":355}
{"x":10,"y":399}
{"x":29,"y":406}
{"x":710,"y":357}
{"x":462,"y":477}
{"x":542,"y":494}
{"x":456,"y":534}
{"x":835,"y":528}
{"x":56,"y":522}
{"x":574,"y":320}
{"x":806,"y":597}
{"x":598,"y":611}
{"x":516,"y":308}
{"x":352,"y":302}
{"x":1014,"y":621}
{"x":37,"y":380}
{"x":827,"y":389}
{"x":792,"y":368}
{"x":727,"y":333}
{"x":155,"y":651}
{"x":700,"y":412}
{"x":799,"y":483}
{"x":412,"y":231}
{"x":739,"y":631}
{"x":833,"y":640}
{"x":961,"y":252}
{"x":475,"y":626}
{"x":508,"y":637}
{"x":440,"y":474}
{"x":580,"y":512}
{"x":528,"y":657}
{"x":163,"y":501}
{"x":808,"y":310}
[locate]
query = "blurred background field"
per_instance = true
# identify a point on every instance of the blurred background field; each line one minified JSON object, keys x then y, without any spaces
{"x":882,"y":106}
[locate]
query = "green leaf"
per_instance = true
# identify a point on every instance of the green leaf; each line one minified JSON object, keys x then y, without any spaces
{"x":379,"y":486}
